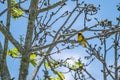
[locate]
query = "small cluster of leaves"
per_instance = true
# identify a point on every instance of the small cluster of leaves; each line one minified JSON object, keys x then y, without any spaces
{"x":55,"y":65}
{"x":61,"y":75}
{"x":16,"y":12}
{"x":33,"y":57}
{"x":14,"y":53}
{"x":76,"y":66}
{"x":57,"y":73}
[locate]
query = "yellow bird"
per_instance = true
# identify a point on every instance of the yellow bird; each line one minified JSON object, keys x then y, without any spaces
{"x":81,"y":39}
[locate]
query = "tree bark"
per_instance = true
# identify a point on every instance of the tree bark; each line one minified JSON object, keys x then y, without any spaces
{"x":4,"y":73}
{"x":28,"y":41}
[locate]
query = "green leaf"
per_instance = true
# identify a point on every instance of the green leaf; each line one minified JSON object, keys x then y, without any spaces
{"x":76,"y":66}
{"x":60,"y":74}
{"x":13,"y":53}
{"x":51,"y":78}
{"x":16,"y":11}
{"x":33,"y":60}
{"x":33,"y":56}
{"x":13,"y":2}
{"x":55,"y":64}
{"x":57,"y":78}
{"x":8,"y":53}
{"x":46,"y":65}
{"x":79,"y":64}
{"x":15,"y":50}
{"x":73,"y":67}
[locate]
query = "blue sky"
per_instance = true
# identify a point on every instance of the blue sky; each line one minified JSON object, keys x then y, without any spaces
{"x":108,"y":10}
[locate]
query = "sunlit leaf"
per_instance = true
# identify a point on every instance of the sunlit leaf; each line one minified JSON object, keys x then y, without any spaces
{"x":51,"y":78}
{"x":8,"y":53}
{"x":13,"y":53}
{"x":57,"y":78}
{"x":55,"y":64}
{"x":79,"y":64}
{"x":15,"y":50}
{"x":64,"y":63}
{"x":73,"y":67}
{"x":60,"y":74}
{"x":13,"y":2}
{"x":33,"y":56}
{"x":16,"y":11}
{"x":33,"y":60}
{"x":46,"y":65}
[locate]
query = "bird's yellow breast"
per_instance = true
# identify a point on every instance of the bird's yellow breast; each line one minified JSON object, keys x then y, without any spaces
{"x":81,"y":39}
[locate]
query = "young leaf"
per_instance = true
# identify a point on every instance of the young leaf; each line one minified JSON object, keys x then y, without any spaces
{"x":13,"y":53}
{"x":51,"y":78}
{"x":16,"y":11}
{"x":33,"y":57}
{"x":55,"y":64}
{"x":33,"y":62}
{"x":73,"y":67}
{"x":15,"y":50}
{"x":46,"y":65}
{"x":60,"y":74}
{"x":79,"y":64}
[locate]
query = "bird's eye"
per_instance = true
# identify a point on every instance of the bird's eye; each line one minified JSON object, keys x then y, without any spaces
{"x":79,"y":33}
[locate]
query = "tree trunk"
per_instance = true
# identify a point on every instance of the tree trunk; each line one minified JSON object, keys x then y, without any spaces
{"x":28,"y":41}
{"x":4,"y":73}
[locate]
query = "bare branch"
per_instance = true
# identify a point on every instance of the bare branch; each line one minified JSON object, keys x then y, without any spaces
{"x":10,"y":37}
{"x":51,"y":6}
